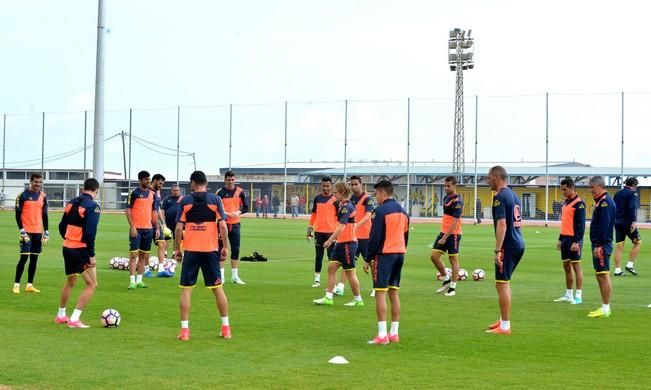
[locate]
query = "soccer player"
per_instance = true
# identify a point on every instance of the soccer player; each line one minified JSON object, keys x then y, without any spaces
{"x":449,"y":238}
{"x":627,"y":203}
{"x":601,"y":237}
{"x":323,"y":222}
{"x":509,"y":244}
{"x":364,"y":209}
{"x":170,"y":207}
{"x":32,"y":220}
{"x":570,"y":241}
{"x":235,"y":204}
{"x":345,"y":248}
{"x":78,"y":228}
{"x":386,"y":254}
{"x":202,"y":216}
{"x":142,"y":215}
{"x":157,"y":182}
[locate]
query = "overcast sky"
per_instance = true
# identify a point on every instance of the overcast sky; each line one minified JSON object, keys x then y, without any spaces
{"x":162,"y":54}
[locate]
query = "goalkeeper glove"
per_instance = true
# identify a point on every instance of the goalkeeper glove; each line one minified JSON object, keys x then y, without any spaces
{"x":24,"y":237}
{"x":46,"y":237}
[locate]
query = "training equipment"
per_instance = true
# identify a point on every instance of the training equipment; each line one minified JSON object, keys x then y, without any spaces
{"x":478,"y":275}
{"x":448,"y":271}
{"x":110,"y":318}
{"x":463,"y":274}
{"x":167,"y":233}
{"x":153,"y":263}
{"x":338,"y":360}
{"x":113,"y":263}
{"x":169,"y":265}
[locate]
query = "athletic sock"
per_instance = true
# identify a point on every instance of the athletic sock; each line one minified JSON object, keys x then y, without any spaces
{"x":605,"y":307}
{"x":579,"y":293}
{"x":221,"y":271}
{"x":185,"y":324}
{"x":629,"y":264}
{"x":16,"y":285}
{"x":62,"y":312}
{"x":505,"y":325}
{"x":234,"y":273}
{"x":139,"y":278}
{"x":132,"y":279}
{"x":357,"y":298}
{"x":340,"y":286}
{"x":225,"y":321}
{"x":453,"y":284}
{"x":618,"y":270}
{"x":328,"y":295}
{"x":28,"y":285}
{"x":317,"y":278}
{"x":568,"y":293}
{"x":75,"y":315}
{"x":394,"y":327}
{"x":381,"y":328}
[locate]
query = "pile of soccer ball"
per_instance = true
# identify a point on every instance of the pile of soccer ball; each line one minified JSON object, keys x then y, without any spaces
{"x":477,"y":275}
{"x":119,"y":263}
{"x":169,"y":265}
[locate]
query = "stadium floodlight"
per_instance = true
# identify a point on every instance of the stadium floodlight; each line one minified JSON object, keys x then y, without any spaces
{"x":460,"y":58}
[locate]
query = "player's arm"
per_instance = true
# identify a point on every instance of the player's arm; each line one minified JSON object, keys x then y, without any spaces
{"x":63,"y":224}
{"x":19,"y":211}
{"x":127,"y":211}
{"x":46,"y":221}
{"x":244,"y":208}
{"x":223,"y":229}
{"x":154,"y":216}
{"x":333,"y":237}
{"x":178,"y":230}
{"x":579,"y":223}
{"x":375,"y":237}
{"x":633,"y":211}
{"x":310,"y":227}
{"x":90,"y":231}
{"x":407,"y":231}
{"x":500,"y":233}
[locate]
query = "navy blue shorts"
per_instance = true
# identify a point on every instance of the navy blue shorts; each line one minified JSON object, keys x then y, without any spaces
{"x":320,"y":238}
{"x":75,"y":260}
{"x":33,"y":246}
{"x":142,"y":241}
{"x":344,"y":254}
{"x":601,"y":262}
{"x":623,"y":231}
{"x":451,"y":244}
{"x":566,"y":250}
{"x":362,"y":248}
{"x":209,"y":264}
{"x":510,"y":259}
{"x":387,"y":270}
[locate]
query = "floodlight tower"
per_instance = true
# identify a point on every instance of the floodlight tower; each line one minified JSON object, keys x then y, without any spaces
{"x":460,"y":58}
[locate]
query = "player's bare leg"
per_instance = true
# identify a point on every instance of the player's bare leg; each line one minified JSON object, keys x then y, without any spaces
{"x":333,"y":266}
{"x":438,"y":263}
{"x":394,"y":298}
{"x":504,"y":299}
{"x":578,"y":277}
{"x":351,"y":275}
{"x":339,"y":288}
{"x":454,"y":263}
{"x":605,"y":288}
{"x":133,"y":265}
{"x":184,"y":309}
{"x":381,"y":313}
{"x":222,"y":307}
{"x":619,"y":251}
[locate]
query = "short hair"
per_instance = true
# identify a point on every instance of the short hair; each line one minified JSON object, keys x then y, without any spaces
{"x":631,"y":182}
{"x":344,"y":189}
{"x":198,"y":177}
{"x":498,"y":171}
{"x":355,"y":177}
{"x":326,"y":178}
{"x":143,"y":175}
{"x":384,"y":185}
{"x":35,"y":176}
{"x":451,"y":179}
{"x":229,"y":174}
{"x":175,"y":185}
{"x":597,"y":181}
{"x":91,"y":184}
{"x":568,"y":182}
{"x":158,"y":176}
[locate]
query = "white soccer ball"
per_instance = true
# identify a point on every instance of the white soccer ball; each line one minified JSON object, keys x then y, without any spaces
{"x":463,"y":274}
{"x":113,"y":263}
{"x":448,"y":271}
{"x":153,"y":263}
{"x":169,"y":265}
{"x":478,"y":274}
{"x":110,"y":318}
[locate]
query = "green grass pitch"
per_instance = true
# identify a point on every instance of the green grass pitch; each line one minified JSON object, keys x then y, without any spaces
{"x":281,"y":340}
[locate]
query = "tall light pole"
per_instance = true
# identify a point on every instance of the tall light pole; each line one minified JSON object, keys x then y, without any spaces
{"x":98,"y":133}
{"x":460,"y":58}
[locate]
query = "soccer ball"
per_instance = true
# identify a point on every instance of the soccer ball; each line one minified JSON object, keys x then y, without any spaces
{"x":110,"y":318}
{"x":167,"y":233}
{"x":153,"y":263}
{"x":463,"y":274}
{"x":478,"y":274}
{"x":169,"y":265}
{"x":114,"y":262}
{"x":448,"y":271}
{"x":123,"y":263}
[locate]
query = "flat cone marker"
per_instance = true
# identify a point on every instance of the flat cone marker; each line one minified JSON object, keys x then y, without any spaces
{"x":338,"y":360}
